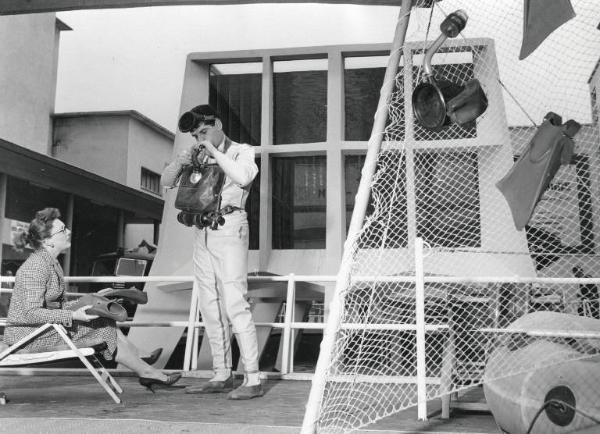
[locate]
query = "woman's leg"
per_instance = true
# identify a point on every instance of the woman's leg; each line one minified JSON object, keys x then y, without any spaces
{"x":127,"y":355}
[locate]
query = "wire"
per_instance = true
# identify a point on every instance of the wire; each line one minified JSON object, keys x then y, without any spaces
{"x":560,"y":404}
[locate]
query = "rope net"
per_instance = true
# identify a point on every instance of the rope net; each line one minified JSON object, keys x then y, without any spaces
{"x":440,"y":185}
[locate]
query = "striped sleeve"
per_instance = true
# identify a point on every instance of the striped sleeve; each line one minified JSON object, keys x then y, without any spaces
{"x":34,"y":281}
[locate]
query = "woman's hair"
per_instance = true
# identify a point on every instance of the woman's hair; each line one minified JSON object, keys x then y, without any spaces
{"x":39,"y":229}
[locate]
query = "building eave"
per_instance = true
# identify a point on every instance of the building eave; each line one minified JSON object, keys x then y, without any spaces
{"x":41,"y":169}
{"x":11,"y":7}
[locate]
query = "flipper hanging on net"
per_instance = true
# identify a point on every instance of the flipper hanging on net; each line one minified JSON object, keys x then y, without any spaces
{"x":540,"y":19}
{"x":530,"y":176}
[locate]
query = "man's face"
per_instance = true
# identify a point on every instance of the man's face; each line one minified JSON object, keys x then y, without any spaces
{"x":212,"y":133}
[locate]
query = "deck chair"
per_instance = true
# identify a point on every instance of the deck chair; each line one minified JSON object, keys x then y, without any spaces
{"x":9,"y":358}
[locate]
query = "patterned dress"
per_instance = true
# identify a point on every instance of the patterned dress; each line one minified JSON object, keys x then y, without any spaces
{"x":38,"y":298}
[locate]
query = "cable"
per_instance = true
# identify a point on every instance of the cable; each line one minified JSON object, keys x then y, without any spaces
{"x":560,"y":404}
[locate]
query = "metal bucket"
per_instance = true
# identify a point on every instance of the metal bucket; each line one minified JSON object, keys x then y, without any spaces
{"x":430,"y":98}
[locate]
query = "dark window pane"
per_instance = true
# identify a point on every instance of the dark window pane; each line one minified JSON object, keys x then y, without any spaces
{"x":352,"y":173}
{"x":299,"y":202}
{"x":236,"y":94}
{"x":150,"y":181}
{"x":387,"y":203}
{"x":253,"y":210}
{"x":447,"y":195}
{"x":300,"y":99}
{"x":363,"y":78}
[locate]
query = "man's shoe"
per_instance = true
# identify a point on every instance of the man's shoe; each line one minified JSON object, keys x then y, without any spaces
{"x":246,"y":392}
{"x":212,"y":387}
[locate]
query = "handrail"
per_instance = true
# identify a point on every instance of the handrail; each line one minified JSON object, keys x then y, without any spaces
{"x":330,"y":278}
{"x":289,"y":324}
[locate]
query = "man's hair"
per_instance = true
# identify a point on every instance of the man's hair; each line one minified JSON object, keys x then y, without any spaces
{"x":203,"y":113}
{"x":205,"y":110}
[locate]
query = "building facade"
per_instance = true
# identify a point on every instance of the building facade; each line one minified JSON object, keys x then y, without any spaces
{"x":101,"y":169}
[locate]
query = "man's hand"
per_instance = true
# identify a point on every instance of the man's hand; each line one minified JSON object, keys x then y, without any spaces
{"x":184,"y":158}
{"x":209,"y":138}
{"x":209,"y":148}
{"x":80,"y":315}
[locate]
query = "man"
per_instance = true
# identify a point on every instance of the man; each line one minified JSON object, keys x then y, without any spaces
{"x":221,"y":252}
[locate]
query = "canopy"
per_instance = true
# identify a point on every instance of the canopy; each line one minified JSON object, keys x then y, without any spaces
{"x":10,"y":7}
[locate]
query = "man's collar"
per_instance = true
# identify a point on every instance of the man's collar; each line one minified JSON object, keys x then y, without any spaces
{"x":225,"y":144}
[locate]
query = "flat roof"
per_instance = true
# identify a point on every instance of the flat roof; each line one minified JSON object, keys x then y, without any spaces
{"x":129,"y":113}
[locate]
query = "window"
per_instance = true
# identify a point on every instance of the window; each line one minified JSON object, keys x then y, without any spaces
{"x":300,"y":101}
{"x":299,"y":202}
{"x":352,"y":173}
{"x":236,"y":92}
{"x":448,"y":213}
{"x":150,"y":181}
{"x":363,"y":77}
{"x":387,"y":204}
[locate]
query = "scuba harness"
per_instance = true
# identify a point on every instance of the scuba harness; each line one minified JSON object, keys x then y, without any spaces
{"x":199,"y":193}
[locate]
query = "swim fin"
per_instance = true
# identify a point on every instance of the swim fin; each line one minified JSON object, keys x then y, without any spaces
{"x":528,"y":179}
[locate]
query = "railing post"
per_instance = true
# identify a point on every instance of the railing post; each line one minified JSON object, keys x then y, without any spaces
{"x":191,"y":327}
{"x":420,"y":323}
{"x":196,"y":333}
{"x":289,"y":306}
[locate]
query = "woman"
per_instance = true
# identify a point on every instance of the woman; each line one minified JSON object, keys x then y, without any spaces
{"x":38,"y":298}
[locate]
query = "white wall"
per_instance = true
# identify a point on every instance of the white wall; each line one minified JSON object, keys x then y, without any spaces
{"x":97,"y":144}
{"x":28,"y":59}
{"x":147,"y":148}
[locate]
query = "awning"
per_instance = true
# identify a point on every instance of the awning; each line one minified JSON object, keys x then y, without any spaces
{"x":41,"y":169}
{"x":10,"y":7}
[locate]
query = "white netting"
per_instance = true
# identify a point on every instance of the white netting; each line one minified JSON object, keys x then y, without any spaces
{"x":441,"y":186}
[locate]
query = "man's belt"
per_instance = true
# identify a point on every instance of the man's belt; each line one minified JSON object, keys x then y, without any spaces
{"x":214,"y":219}
{"x":229,"y":209}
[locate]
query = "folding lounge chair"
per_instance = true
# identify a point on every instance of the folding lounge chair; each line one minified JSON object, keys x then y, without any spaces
{"x":9,"y":358}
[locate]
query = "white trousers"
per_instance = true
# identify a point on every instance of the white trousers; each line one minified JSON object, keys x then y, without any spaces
{"x":221,"y":270}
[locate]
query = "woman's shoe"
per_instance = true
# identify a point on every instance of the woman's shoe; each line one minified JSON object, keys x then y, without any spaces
{"x":154,"y":383}
{"x":153,"y":357}
{"x":100,"y":306}
{"x":132,"y":294}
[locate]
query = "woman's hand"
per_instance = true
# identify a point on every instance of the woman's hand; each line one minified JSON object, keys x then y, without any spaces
{"x":80,"y":315}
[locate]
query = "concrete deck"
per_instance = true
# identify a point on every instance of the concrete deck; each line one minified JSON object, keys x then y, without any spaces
{"x":50,"y":404}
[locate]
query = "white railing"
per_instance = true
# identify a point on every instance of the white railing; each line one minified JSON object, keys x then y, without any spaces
{"x":289,"y":324}
{"x":193,"y":326}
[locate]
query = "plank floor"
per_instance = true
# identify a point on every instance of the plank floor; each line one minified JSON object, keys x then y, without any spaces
{"x":66,"y":404}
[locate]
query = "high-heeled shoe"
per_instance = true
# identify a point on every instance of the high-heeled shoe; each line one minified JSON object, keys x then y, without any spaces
{"x":155,"y":383}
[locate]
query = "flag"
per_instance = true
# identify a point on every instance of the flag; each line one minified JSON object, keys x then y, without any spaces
{"x":540,"y":18}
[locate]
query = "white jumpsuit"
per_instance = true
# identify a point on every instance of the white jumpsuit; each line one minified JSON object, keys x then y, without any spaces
{"x":221,"y":267}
